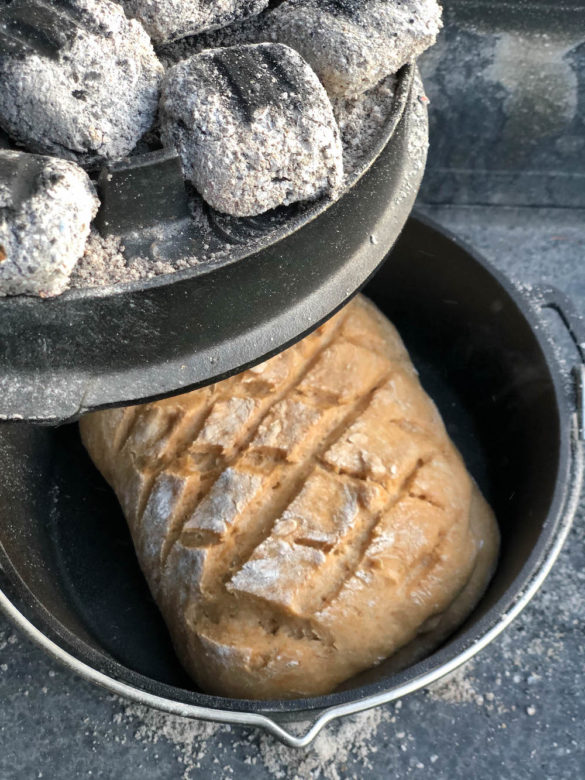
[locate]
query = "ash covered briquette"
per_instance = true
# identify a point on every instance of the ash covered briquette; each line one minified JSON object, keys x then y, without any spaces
{"x":46,"y":206}
{"x":77,"y":78}
{"x":353,"y":44}
{"x":253,"y":126}
{"x":169,"y":20}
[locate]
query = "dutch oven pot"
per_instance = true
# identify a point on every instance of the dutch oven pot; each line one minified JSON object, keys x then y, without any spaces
{"x":71,"y":581}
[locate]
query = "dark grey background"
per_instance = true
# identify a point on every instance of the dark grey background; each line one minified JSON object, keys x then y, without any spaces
{"x":507,"y":173}
{"x":507,"y":87}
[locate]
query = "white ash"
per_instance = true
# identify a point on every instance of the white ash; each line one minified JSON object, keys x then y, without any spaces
{"x":250,"y":30}
{"x":353,"y":739}
{"x":354,"y":44}
{"x":103,"y":264}
{"x":362,"y":121}
{"x":457,"y":687}
{"x":46,"y":206}
{"x":168,"y":20}
{"x":95,"y":98}
{"x":253,"y":127}
{"x":418,"y":141}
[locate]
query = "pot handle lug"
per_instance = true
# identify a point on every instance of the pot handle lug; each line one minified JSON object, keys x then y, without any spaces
{"x":549,"y":297}
{"x":305,"y":732}
{"x":309,"y":727}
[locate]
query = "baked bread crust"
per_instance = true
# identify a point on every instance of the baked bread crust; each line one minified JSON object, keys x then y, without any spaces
{"x":304,"y":520}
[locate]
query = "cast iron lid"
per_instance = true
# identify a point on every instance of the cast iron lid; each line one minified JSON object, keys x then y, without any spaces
{"x":283,"y":273}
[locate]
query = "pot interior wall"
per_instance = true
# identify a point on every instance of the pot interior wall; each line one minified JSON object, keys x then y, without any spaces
{"x":64,"y":536}
{"x":480,"y":360}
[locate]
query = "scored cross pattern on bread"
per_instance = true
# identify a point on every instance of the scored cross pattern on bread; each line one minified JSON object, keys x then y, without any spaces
{"x":303,"y":520}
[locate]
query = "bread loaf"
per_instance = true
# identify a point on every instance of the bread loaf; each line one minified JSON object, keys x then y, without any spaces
{"x":304,"y":520}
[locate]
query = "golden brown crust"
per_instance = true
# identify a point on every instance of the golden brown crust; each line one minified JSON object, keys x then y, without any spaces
{"x":304,"y":520}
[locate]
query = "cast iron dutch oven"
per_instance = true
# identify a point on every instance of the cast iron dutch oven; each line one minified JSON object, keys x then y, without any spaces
{"x":273,"y":277}
{"x":71,"y":580}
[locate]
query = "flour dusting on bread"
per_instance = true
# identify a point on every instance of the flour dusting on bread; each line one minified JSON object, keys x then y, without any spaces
{"x":304,"y":520}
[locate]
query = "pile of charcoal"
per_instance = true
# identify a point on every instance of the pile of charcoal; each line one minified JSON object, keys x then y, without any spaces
{"x":83,"y":81}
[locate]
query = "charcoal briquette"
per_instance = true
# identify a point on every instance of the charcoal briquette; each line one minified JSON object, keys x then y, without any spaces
{"x":170,"y":20}
{"x":46,"y":206}
{"x":253,"y":127}
{"x":78,"y":80}
{"x":354,"y":44}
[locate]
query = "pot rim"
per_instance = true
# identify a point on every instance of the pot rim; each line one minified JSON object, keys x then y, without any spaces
{"x":319,"y":711}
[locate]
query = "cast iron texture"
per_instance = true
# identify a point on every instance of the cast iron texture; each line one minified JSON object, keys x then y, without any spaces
{"x":95,"y":348}
{"x":66,"y":552}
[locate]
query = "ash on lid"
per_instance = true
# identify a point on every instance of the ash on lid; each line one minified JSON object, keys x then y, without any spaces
{"x":254,"y":128}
